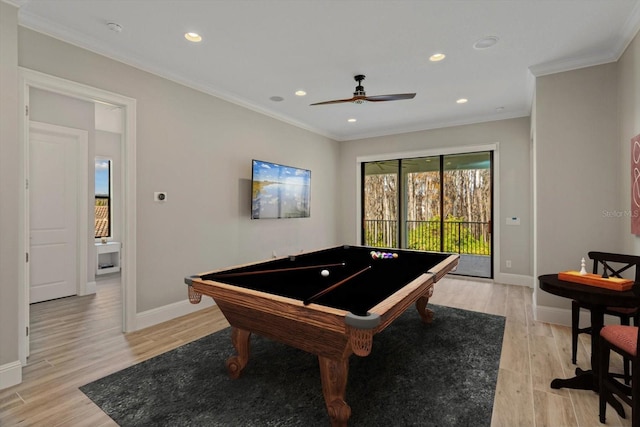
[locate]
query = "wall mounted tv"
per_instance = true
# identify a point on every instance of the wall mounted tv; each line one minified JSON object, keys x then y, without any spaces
{"x":279,"y":191}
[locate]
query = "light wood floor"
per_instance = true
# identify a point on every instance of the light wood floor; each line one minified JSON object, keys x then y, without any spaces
{"x":77,"y":340}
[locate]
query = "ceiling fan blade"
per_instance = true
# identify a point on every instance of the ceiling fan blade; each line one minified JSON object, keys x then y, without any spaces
{"x":335,"y":101}
{"x":394,"y":97}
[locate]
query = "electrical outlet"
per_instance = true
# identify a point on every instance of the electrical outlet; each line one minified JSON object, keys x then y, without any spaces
{"x":508,"y":263}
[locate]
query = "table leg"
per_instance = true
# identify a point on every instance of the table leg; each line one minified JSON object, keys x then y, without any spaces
{"x":333,"y":374}
{"x":421,"y":305}
{"x":588,"y":380}
{"x":240,"y":340}
{"x":584,"y":380}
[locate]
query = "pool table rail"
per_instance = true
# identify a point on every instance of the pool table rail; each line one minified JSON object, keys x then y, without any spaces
{"x":313,"y":328}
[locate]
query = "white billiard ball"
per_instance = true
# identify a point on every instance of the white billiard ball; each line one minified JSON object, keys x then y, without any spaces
{"x":324,"y":273}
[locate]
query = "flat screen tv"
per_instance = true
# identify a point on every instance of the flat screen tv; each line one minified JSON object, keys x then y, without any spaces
{"x":279,"y":191}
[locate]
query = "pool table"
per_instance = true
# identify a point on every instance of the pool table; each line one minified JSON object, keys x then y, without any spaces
{"x":329,"y":302}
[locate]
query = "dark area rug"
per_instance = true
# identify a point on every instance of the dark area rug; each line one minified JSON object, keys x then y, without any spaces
{"x":441,"y":374}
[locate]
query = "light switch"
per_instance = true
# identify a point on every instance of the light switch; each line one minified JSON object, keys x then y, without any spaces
{"x":514,"y":220}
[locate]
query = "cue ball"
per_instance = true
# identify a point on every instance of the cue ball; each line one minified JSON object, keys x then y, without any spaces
{"x":324,"y":273}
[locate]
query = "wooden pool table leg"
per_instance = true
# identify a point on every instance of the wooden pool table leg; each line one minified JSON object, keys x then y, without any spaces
{"x":333,"y":374}
{"x":421,"y":306}
{"x":240,"y":340}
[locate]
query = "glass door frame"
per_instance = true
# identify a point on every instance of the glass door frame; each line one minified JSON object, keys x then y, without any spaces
{"x":494,"y":228}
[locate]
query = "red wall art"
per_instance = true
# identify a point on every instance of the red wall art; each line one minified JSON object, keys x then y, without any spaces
{"x":635,"y":185}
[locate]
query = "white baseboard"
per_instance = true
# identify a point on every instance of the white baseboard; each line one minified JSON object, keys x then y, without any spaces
{"x":513,"y":279}
{"x":562,"y":316}
{"x":169,"y":312}
{"x":91,"y":288}
{"x":555,"y":315}
{"x":10,"y":374}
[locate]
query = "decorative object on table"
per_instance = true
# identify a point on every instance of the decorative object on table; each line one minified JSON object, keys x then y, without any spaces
{"x":583,"y":270}
{"x":613,"y":283}
{"x":605,"y":268}
{"x":190,"y":386}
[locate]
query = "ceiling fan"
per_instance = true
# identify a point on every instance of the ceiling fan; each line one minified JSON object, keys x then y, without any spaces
{"x":360,"y":97}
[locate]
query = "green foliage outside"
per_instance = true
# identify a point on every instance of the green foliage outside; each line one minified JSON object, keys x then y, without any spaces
{"x":380,"y":239}
{"x":425,"y":235}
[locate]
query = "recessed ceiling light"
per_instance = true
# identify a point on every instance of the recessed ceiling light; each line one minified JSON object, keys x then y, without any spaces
{"x":301,"y":93}
{"x":436,"y":57}
{"x":115,"y":27}
{"x":462,"y":101}
{"x":486,"y":42}
{"x":276,"y":98}
{"x":352,"y":120}
{"x":193,"y":37}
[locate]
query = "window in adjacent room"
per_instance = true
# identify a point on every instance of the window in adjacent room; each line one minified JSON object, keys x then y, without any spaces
{"x":103,"y":203}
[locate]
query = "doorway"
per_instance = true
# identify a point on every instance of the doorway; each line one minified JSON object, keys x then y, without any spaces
{"x":438,"y":203}
{"x":29,"y":80}
{"x":57,"y":211}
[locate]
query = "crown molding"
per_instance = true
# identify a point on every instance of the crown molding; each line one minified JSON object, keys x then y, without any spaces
{"x":572,"y":64}
{"x":437,"y":125}
{"x":628,"y":31}
{"x":14,"y":3}
{"x":625,"y":35}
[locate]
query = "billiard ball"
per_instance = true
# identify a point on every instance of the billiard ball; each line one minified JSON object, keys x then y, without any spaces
{"x":324,"y":273}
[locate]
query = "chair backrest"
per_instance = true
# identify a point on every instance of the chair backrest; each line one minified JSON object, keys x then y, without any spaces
{"x":615,"y":264}
{"x":622,"y":263}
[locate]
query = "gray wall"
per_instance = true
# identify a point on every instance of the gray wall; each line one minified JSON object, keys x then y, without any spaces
{"x":576,"y":170}
{"x":10,"y":260}
{"x":514,"y":184}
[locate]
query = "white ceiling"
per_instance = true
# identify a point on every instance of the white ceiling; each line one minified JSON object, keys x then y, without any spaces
{"x":253,"y":50}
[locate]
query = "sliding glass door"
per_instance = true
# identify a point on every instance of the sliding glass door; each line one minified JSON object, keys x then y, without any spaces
{"x":437,"y":203}
{"x":380,"y":202}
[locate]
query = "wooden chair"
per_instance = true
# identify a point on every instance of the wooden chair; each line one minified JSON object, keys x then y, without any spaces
{"x":623,"y":340}
{"x":607,"y":261}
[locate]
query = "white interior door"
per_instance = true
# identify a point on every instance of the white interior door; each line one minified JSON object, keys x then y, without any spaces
{"x":54,"y":155}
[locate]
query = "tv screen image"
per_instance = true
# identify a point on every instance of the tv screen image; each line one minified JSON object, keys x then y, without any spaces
{"x":279,"y":191}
